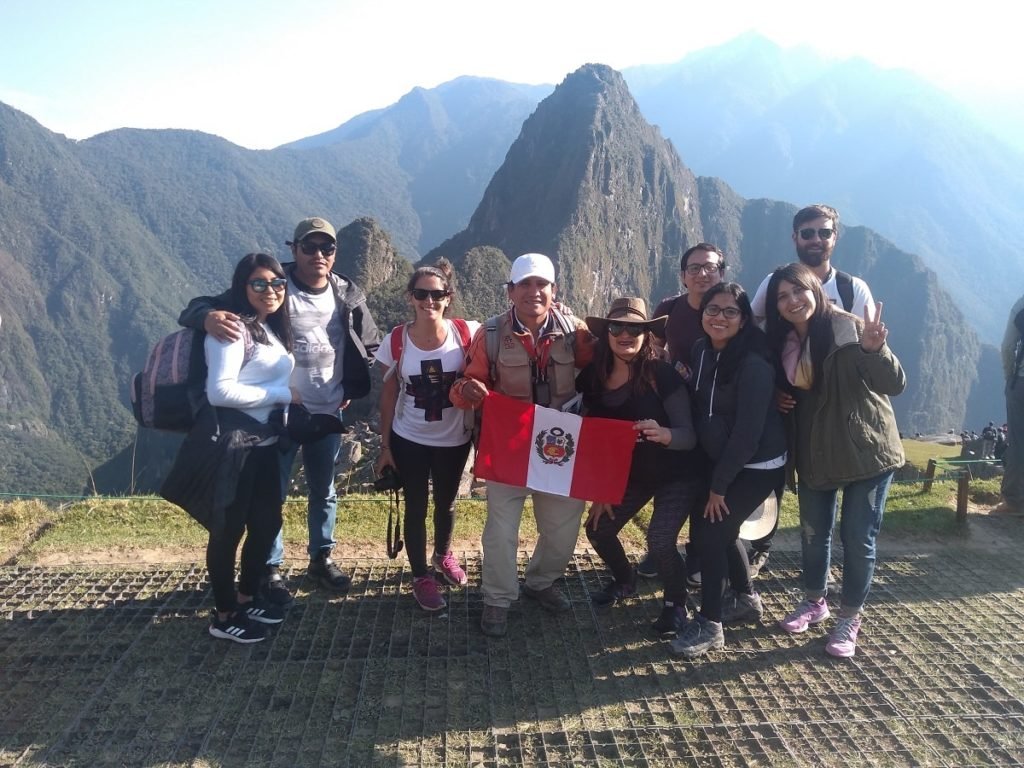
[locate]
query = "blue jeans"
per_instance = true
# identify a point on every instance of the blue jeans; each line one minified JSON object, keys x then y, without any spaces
{"x":861,"y":519}
{"x":318,"y":459}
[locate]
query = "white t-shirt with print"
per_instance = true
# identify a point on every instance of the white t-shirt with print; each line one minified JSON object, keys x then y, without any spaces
{"x":316,"y":327}
{"x":425,"y":414}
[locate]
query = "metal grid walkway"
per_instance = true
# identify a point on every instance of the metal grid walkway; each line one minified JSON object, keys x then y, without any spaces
{"x":114,"y":667}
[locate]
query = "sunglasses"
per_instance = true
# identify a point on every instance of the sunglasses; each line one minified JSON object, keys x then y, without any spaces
{"x":730,"y":313}
{"x":259,"y":285}
{"x":310,"y":248}
{"x":421,"y":294}
{"x":824,"y":233}
{"x":617,"y":329}
{"x":708,"y":269}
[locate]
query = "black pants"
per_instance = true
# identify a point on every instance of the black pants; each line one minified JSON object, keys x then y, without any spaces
{"x":673,"y":501}
{"x":255,"y":511}
{"x":722,"y":556}
{"x":419,"y":465}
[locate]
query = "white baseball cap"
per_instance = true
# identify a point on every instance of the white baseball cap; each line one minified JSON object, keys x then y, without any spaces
{"x":532,"y":265}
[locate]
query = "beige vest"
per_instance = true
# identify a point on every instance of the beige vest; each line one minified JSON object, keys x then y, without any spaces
{"x":512,"y":375}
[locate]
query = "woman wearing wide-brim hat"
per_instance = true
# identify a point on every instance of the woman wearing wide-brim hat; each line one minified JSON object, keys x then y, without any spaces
{"x":626,"y":380}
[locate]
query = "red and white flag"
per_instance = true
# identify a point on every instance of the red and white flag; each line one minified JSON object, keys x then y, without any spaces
{"x":546,"y":450}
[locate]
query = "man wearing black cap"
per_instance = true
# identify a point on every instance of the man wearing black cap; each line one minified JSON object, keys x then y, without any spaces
{"x":335,"y":337}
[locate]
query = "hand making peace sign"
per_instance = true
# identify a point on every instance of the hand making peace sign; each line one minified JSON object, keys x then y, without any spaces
{"x":875,"y":332}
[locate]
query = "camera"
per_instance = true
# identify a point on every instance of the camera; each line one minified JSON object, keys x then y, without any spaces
{"x":389,"y":480}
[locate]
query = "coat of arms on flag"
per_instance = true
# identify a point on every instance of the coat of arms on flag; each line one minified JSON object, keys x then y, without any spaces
{"x":547,"y":450}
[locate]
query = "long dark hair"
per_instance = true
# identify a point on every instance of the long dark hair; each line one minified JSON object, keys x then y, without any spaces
{"x":749,"y":339}
{"x":819,"y":329}
{"x":279,"y":321}
{"x":641,"y":367}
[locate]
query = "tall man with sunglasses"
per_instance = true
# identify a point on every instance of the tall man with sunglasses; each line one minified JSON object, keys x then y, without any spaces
{"x":335,"y":338}
{"x":815,"y":232}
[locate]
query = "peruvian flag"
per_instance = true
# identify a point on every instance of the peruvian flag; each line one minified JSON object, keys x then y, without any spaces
{"x":546,"y":450}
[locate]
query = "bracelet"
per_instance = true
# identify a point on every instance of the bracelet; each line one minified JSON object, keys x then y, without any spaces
{"x":385,"y":447}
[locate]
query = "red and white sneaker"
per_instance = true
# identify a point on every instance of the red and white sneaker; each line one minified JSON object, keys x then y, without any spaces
{"x":424,"y":589}
{"x":450,"y":570}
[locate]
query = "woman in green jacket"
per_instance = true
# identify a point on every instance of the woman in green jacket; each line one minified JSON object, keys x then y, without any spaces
{"x":841,"y":373}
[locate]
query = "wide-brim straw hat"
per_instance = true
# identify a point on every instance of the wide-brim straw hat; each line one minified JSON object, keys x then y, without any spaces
{"x":628,"y":309}
{"x":761,"y":521}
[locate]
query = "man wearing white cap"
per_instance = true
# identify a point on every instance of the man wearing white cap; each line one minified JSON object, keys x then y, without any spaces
{"x":530,"y":353}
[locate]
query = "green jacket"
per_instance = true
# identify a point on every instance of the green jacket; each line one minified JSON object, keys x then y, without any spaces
{"x":845,"y":427}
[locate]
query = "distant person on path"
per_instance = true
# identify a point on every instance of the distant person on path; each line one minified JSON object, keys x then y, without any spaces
{"x":537,"y":350}
{"x":335,"y":338}
{"x":988,"y":441}
{"x":423,"y":437}
{"x":701,"y":267}
{"x":741,"y":431}
{"x":841,"y":374}
{"x":1012,"y":351}
{"x":234,"y":446}
{"x":627,"y":381}
{"x":815,"y":234}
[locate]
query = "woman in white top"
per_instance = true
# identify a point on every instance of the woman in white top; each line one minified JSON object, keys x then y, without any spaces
{"x":250,"y":376}
{"x":423,"y":437}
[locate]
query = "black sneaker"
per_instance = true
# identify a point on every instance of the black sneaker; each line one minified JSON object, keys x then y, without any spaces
{"x":323,"y":569}
{"x":612,"y":592}
{"x":263,"y":612}
{"x":671,"y":622}
{"x":647,"y":567}
{"x":740,"y":607}
{"x":237,"y":627}
{"x":758,"y":562}
{"x":274,"y":590}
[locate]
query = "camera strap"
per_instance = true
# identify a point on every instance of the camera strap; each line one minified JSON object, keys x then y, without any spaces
{"x":394,"y":542}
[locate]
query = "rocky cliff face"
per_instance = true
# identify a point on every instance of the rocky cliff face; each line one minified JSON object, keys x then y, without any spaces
{"x":595,"y":187}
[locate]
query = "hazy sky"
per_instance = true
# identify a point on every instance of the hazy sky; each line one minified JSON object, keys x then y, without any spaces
{"x":264,"y":72}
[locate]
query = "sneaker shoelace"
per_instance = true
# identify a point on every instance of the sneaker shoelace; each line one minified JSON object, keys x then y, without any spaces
{"x":845,"y":630}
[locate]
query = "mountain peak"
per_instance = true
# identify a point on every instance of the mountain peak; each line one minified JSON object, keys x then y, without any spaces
{"x":593,"y":185}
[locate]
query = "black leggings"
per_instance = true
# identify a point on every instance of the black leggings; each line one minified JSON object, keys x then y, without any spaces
{"x":722,"y":555}
{"x":418,"y":465}
{"x":256,"y":511}
{"x":673,"y":501}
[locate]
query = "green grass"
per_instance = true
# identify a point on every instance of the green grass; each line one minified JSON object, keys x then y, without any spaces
{"x":126,"y":524}
{"x":919,"y":451}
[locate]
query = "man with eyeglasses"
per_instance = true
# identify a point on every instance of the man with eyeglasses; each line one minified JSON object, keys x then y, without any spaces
{"x":701,"y":267}
{"x":335,"y":338}
{"x":815,"y":232}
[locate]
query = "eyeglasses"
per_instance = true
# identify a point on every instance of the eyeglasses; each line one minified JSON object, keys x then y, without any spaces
{"x":824,"y":233}
{"x":310,"y":248}
{"x":259,"y":285}
{"x":708,"y":268}
{"x":421,"y":294}
{"x":617,"y":329}
{"x":730,"y":313}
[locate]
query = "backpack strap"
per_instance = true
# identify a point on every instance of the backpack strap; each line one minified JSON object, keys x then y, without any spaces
{"x":491,"y":344}
{"x":397,"y":347}
{"x":462,"y":329}
{"x":844,"y":284}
